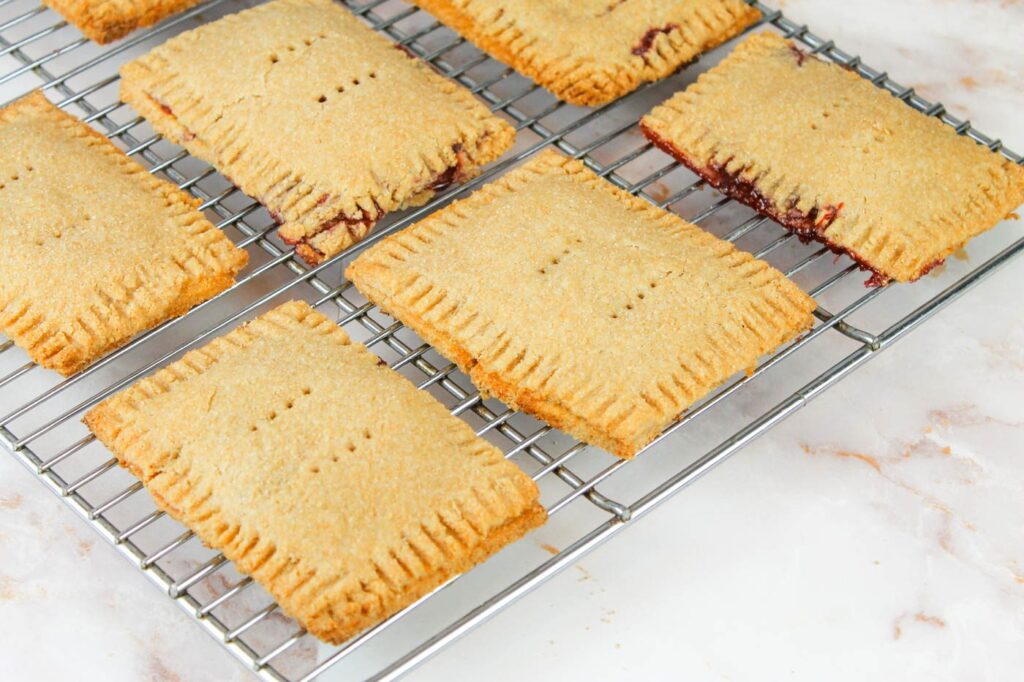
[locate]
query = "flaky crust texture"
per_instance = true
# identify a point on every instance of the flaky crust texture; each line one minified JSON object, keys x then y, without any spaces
{"x":96,"y":249}
{"x":327,"y":477}
{"x":590,"y":52}
{"x":633,"y":363}
{"x":104,"y":21}
{"x":834,"y":158}
{"x":365,"y":128}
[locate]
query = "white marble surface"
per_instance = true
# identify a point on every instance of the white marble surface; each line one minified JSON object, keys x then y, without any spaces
{"x":878,"y":534}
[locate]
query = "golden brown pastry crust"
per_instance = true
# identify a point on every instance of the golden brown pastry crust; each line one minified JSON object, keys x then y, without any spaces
{"x":104,"y":21}
{"x":589,"y":52}
{"x":836,"y":159}
{"x":319,"y":118}
{"x":343,"y":490}
{"x":623,"y":314}
{"x":95,"y":248}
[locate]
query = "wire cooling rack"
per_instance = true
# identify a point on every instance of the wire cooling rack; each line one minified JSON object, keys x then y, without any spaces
{"x":590,"y":495}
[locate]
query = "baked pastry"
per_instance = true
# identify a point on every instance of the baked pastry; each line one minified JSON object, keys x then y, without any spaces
{"x":326,"y":123}
{"x":590,"y":52}
{"x":95,"y":249}
{"x":834,"y":158}
{"x":343,"y":490}
{"x":624,"y":314}
{"x":104,"y":21}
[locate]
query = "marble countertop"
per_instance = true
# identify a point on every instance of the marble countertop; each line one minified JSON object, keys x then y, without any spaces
{"x":878,"y":534}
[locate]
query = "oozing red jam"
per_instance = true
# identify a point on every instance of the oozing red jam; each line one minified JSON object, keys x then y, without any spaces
{"x":406,"y":50}
{"x":452,"y":174}
{"x":647,"y":42}
{"x":808,"y":225}
{"x":186,"y":134}
{"x":362,"y":220}
{"x":800,"y":55}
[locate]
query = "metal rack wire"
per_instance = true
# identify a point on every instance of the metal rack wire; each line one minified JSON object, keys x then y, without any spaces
{"x":39,"y":412}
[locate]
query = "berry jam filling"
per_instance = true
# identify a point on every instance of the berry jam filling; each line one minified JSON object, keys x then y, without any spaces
{"x":647,"y":42}
{"x":800,"y":55}
{"x":186,"y":134}
{"x":358,"y":225}
{"x":811,"y":225}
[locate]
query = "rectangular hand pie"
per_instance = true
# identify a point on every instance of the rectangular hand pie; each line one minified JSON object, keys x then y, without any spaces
{"x":343,"y":490}
{"x":590,"y":52}
{"x":623,"y":314}
{"x":326,"y":123}
{"x":104,"y":21}
{"x":834,"y":158}
{"x":95,"y":248}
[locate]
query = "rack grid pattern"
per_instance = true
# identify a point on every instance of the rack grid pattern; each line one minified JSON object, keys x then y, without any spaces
{"x":593,"y":495}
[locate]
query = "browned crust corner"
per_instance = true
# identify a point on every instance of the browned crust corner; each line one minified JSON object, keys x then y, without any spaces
{"x":338,"y":630}
{"x":104,"y":21}
{"x":491,"y":381}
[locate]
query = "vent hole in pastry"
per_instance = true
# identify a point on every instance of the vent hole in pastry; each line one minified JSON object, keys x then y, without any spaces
{"x":315,"y":469}
{"x":553,"y":262}
{"x":373,"y":74}
{"x":274,"y":59}
{"x":334,"y":458}
{"x":366,"y":434}
{"x":272,"y":416}
{"x":253,"y":427}
{"x":355,"y":81}
{"x":340,"y":88}
{"x":306,"y":390}
{"x":289,"y":405}
{"x":321,"y":99}
{"x":351,"y":447}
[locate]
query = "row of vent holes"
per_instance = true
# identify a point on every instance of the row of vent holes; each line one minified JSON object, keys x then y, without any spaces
{"x":641,"y":296}
{"x":341,"y":88}
{"x":288,"y":405}
{"x":554,"y":261}
{"x":274,"y":59}
{"x":350,"y":446}
{"x":825,"y":113}
{"x":15,"y":177}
